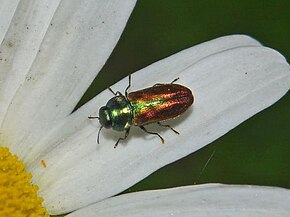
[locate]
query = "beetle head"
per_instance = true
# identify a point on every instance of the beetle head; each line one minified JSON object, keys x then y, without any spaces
{"x":104,"y":117}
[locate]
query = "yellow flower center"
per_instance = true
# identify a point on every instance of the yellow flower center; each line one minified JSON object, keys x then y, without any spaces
{"x":18,"y":196}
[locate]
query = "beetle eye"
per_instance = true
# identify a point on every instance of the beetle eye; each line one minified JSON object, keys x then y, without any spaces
{"x":105,"y":119}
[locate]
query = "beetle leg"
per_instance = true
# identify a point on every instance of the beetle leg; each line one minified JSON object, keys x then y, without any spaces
{"x":93,"y":117}
{"x":110,"y":89}
{"x":157,"y":134}
{"x":115,"y":93}
{"x":157,"y":84}
{"x":176,"y":79}
{"x":126,"y":135}
{"x":168,"y":126}
{"x":129,"y":85}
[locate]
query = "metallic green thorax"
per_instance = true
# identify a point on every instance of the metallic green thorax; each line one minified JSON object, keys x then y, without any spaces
{"x":116,"y":114}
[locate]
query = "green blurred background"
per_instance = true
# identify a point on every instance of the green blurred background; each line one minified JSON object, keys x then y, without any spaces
{"x":256,"y":152}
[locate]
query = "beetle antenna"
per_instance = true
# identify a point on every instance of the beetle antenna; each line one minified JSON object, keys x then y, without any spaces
{"x":201,"y":172}
{"x":129,"y":85}
{"x":93,"y":117}
{"x":176,"y":79}
{"x":98,"y":140}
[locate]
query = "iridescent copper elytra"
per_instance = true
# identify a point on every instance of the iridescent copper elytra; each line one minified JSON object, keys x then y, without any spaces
{"x":142,"y":107}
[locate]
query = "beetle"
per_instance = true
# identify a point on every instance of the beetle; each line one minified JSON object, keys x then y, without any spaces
{"x":142,"y":107}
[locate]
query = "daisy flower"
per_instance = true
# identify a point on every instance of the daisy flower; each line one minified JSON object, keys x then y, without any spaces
{"x":50,"y":162}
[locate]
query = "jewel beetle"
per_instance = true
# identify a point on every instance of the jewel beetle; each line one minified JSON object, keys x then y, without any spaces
{"x":142,"y":107}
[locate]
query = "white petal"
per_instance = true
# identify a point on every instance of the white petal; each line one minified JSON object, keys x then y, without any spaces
{"x":7,"y":10}
{"x":204,"y":200}
{"x":77,"y":38}
{"x":24,"y":27}
{"x":100,"y":171}
{"x":184,"y":60}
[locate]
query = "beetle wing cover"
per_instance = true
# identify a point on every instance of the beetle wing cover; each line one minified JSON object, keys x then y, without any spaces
{"x":160,"y":102}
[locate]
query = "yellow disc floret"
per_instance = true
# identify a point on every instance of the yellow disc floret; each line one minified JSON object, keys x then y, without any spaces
{"x":18,"y":196}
